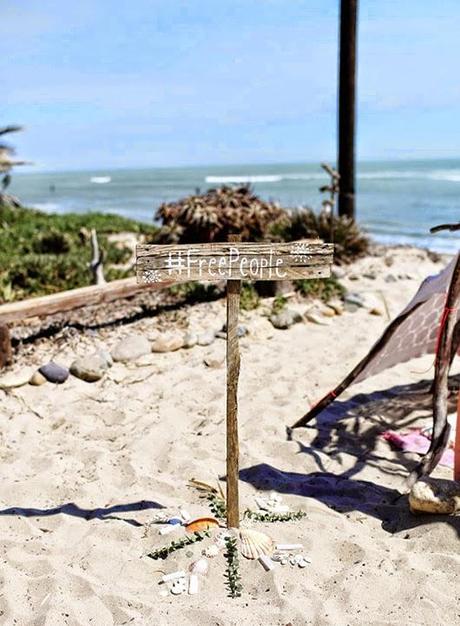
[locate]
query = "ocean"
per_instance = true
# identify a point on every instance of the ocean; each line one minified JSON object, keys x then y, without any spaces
{"x":397,"y":201}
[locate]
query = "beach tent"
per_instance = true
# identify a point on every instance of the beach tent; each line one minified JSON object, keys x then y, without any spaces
{"x":428,"y":324}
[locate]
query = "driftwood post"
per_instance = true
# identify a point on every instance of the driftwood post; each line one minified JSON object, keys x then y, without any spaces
{"x":233,"y":261}
{"x":233,"y":372}
{"x":6,"y":353}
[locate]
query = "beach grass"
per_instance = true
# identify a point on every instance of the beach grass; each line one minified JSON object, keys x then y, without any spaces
{"x":42,"y":253}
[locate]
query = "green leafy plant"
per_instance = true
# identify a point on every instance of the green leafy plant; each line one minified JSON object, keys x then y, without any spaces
{"x":217,"y":505}
{"x":232,"y":572}
{"x":262,"y":516}
{"x":249,"y":298}
{"x":279,"y":303}
{"x":323,"y":288}
{"x":165,"y":551}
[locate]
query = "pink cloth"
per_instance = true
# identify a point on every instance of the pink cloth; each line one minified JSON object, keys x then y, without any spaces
{"x":416,"y":441}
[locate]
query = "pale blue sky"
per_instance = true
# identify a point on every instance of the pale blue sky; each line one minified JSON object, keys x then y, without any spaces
{"x":169,"y":82}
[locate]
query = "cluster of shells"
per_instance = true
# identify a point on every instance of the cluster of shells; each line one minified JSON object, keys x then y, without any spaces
{"x":213,"y":215}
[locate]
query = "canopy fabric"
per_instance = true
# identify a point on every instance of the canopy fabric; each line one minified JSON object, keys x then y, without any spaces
{"x":417,"y":326}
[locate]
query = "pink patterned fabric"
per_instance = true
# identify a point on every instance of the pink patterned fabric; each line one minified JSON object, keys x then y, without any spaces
{"x":417,"y":334}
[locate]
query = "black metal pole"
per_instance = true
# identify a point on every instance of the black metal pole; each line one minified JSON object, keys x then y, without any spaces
{"x":347,"y":90}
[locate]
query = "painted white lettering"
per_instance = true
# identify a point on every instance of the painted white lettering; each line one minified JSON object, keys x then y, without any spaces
{"x":234,"y":256}
{"x":278,"y":263}
{"x":222,"y":263}
{"x":254,"y":267}
{"x":244,"y":262}
{"x":212,"y":261}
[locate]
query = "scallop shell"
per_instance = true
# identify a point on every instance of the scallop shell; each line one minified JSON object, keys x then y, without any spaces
{"x":201,"y":523}
{"x":255,"y":543}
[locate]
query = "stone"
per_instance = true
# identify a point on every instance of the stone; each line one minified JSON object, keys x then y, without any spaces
{"x":390,"y":278}
{"x":106,"y":356}
{"x":190,"y":340}
{"x":337,"y":272}
{"x":214,"y":362}
{"x":336,"y":305}
{"x":350,"y":308}
{"x":435,"y":495}
{"x":89,"y":368}
{"x":37,"y":379}
{"x":241,"y":331}
{"x":167,"y":343}
{"x":206,"y":338}
{"x":370,"y":275}
{"x":315,"y":317}
{"x":130,"y":348}
{"x":376,"y":311}
{"x":353,"y":276}
{"x":355,"y":298}
{"x":54,"y":373}
{"x":389,"y":261}
{"x":285,"y":319}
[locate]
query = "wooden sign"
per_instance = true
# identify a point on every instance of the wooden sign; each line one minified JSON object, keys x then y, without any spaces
{"x":234,"y":262}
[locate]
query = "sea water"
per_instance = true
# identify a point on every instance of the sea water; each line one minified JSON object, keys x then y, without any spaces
{"x":397,"y":201}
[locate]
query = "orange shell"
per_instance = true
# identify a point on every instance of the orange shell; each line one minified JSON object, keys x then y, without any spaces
{"x":201,"y":523}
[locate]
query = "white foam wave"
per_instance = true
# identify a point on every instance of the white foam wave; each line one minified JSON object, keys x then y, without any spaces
{"x":50,"y":207}
{"x":100,"y":180}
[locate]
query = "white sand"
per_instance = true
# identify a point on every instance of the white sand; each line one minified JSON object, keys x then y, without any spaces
{"x":84,"y":467}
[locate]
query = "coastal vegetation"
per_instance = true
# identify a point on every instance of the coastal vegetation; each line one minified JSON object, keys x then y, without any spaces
{"x":42,"y":253}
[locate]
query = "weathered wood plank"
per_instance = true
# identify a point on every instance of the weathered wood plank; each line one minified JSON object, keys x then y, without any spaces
{"x":73,"y":299}
{"x":233,"y":372}
{"x":234,"y":261}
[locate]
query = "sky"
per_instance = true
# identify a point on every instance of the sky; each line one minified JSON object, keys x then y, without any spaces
{"x":118,"y":83}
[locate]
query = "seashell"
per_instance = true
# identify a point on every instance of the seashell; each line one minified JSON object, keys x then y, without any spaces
{"x":201,"y":523}
{"x":255,"y":543}
{"x":211,"y":551}
{"x":199,"y":567}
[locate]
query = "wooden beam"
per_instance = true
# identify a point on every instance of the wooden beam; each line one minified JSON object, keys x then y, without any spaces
{"x":347,"y":91}
{"x":73,"y":299}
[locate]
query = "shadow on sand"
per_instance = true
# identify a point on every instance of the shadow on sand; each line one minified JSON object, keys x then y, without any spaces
{"x":87,"y":514}
{"x":354,"y":427}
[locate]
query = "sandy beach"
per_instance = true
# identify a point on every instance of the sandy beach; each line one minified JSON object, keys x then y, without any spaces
{"x":87,"y":466}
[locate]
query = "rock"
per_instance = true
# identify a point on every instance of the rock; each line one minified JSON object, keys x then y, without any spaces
{"x":390,"y":278}
{"x":206,"y":338}
{"x":54,"y":373}
{"x":355,"y":298}
{"x":106,"y":356}
{"x":89,"y":368}
{"x":336,"y":305}
{"x":167,"y":343}
{"x":316,"y":318}
{"x":37,"y":379}
{"x":353,"y":276}
{"x":376,"y":311}
{"x":389,"y":261}
{"x":190,"y":340}
{"x":435,"y":495}
{"x":337,"y":272}
{"x":213,"y":361}
{"x":350,"y":308}
{"x":15,"y":379}
{"x":328,"y":311}
{"x":285,"y":319}
{"x":131,"y":348}
{"x":241,"y":331}
{"x":370,"y":275}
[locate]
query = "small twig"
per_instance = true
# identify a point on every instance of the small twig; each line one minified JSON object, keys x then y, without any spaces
{"x":451,"y":227}
{"x":96,"y":264}
{"x":260,"y":516}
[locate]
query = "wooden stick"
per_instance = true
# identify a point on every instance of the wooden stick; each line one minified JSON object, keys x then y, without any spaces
{"x":233,"y":371}
{"x":441,"y":427}
{"x":6,"y":354}
{"x":457,"y":443}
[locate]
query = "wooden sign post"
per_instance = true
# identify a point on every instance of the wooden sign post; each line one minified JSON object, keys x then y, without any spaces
{"x":233,"y":261}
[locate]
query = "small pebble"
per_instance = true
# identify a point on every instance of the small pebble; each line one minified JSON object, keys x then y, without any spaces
{"x":37,"y":379}
{"x":54,"y":373}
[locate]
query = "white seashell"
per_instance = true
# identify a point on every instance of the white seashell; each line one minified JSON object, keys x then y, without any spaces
{"x":178,"y":586}
{"x":200,"y":567}
{"x":266,"y":562}
{"x":211,"y":551}
{"x":193,"y":584}
{"x":255,"y":543}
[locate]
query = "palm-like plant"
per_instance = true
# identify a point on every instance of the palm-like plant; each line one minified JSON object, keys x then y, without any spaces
{"x":7,"y":162}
